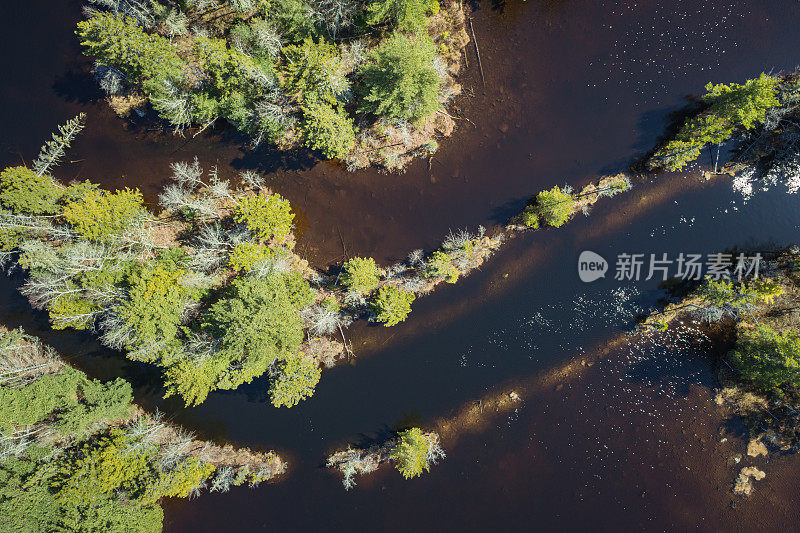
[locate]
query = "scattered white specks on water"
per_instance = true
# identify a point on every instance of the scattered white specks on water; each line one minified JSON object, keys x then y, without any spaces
{"x":665,"y":41}
{"x":616,"y":308}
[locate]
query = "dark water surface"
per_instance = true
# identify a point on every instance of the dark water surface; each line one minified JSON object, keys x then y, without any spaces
{"x":573,"y":89}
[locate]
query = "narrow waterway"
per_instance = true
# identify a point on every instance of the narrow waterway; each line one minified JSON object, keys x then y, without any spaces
{"x":574,"y":89}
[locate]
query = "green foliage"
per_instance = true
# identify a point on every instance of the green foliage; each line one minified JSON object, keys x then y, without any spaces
{"x":726,"y":294}
{"x":101,"y":466}
{"x":78,"y":297}
{"x":257,"y":322}
{"x":290,"y":16}
{"x":187,"y":476}
{"x":294,"y":381}
{"x":118,"y":41}
{"x":227,"y":69}
{"x":440,"y":265}
{"x":530,"y":217}
{"x":392,"y":305}
{"x":23,"y":191}
{"x":100,"y":215}
{"x":100,"y":402}
{"x":720,"y":292}
{"x":76,"y":191}
{"x":361,"y":275}
{"x":32,"y":403}
{"x":331,"y":304}
{"x":553,"y":207}
{"x":247,"y":255}
{"x":10,"y":239}
{"x":193,"y":380}
{"x":28,"y":503}
{"x":767,"y":358}
{"x":765,"y":290}
{"x":256,"y":37}
{"x":410,"y":454}
{"x":108,"y":467}
{"x":729,"y":107}
{"x":327,"y":128}
{"x":70,"y":311}
{"x":69,"y":400}
{"x":399,"y":78}
{"x":267,"y":216}
{"x":109,"y":481}
{"x":406,"y":15}
{"x":156,"y":298}
{"x":314,"y":71}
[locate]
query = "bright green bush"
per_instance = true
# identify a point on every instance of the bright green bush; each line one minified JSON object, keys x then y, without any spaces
{"x":290,"y":17}
{"x":392,"y":305}
{"x":553,"y":208}
{"x":187,"y":476}
{"x":118,"y":41}
{"x":246,"y":255}
{"x":28,"y":503}
{"x":72,"y":402}
{"x":411,"y":453}
{"x":767,"y":358}
{"x":399,"y":79}
{"x":156,"y":298}
{"x":361,"y":275}
{"x":314,"y":71}
{"x":440,"y":265}
{"x":723,"y":293}
{"x":406,"y":15}
{"x":530,"y":217}
{"x":267,"y":216}
{"x":257,"y":322}
{"x":25,"y":406}
{"x":100,"y":215}
{"x":327,"y":128}
{"x":71,"y":311}
{"x":22,"y":191}
{"x":294,"y":381}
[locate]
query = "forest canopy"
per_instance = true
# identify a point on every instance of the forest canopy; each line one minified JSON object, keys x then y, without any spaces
{"x":345,"y":79}
{"x":77,"y":455}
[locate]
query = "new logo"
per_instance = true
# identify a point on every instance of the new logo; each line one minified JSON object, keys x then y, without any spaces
{"x":591,"y":266}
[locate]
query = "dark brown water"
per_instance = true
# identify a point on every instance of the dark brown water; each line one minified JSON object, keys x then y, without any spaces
{"x":573,"y":89}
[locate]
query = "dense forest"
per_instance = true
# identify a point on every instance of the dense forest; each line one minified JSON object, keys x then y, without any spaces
{"x":77,"y":455}
{"x":367,"y":83}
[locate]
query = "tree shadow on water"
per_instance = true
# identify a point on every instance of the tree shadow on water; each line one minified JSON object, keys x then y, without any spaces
{"x":505,"y":212}
{"x":671,"y":370}
{"x":657,"y":126}
{"x":268,"y":160}
{"x":77,"y":85}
